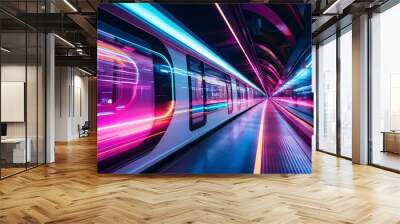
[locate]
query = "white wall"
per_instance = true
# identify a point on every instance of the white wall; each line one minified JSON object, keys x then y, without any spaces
{"x":62,"y":83}
{"x":16,"y":73}
{"x":71,"y":102}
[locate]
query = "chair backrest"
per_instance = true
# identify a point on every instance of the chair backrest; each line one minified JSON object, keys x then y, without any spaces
{"x":86,"y":125}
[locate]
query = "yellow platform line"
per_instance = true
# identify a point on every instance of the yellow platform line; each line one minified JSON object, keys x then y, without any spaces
{"x":260,"y":143}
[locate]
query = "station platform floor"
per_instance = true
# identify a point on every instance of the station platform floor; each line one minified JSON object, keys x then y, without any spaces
{"x":261,"y":140}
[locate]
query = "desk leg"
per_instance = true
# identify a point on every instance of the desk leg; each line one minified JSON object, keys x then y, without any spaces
{"x":384,"y":143}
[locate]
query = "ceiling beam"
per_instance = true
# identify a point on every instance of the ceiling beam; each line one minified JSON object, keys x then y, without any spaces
{"x":81,"y":61}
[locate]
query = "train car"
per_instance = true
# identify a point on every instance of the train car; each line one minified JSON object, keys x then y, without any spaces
{"x":154,"y":97}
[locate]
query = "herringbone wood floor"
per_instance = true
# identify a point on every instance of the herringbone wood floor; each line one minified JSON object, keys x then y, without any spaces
{"x":70,"y":191}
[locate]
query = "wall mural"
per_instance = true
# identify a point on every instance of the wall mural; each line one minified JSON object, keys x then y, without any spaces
{"x":204,"y":88}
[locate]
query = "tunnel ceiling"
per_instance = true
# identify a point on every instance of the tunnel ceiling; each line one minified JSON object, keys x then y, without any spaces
{"x":269,"y":35}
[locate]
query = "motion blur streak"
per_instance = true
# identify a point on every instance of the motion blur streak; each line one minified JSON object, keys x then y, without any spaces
{"x":122,"y":89}
{"x":306,"y":103}
{"x":305,"y":128}
{"x":114,"y":51}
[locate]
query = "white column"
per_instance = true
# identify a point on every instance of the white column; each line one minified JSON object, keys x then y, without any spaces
{"x":50,"y":99}
{"x":63,"y":102}
{"x":50,"y":92}
{"x":360,"y":90}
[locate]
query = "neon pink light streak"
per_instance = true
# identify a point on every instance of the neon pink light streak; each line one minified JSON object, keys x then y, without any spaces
{"x":240,"y":45}
{"x":271,"y":16}
{"x":305,"y":125}
{"x":295,"y":102}
{"x":120,"y":125}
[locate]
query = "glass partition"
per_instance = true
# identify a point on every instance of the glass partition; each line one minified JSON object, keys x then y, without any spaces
{"x":22,"y":88}
{"x":14,"y":145}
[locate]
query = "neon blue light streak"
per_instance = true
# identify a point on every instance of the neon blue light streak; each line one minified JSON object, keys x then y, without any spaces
{"x":303,"y":89}
{"x":302,"y":75}
{"x":216,"y":106}
{"x":148,"y":13}
{"x":164,"y":71}
{"x":196,"y":109}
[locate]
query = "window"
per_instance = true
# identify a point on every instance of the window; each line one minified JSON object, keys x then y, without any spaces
{"x":327,"y":96}
{"x":335,"y":108}
{"x":135,"y":95}
{"x":346,"y":93}
{"x":196,"y":93}
{"x":246,"y":90}
{"x":385,"y":89}
{"x":229,"y":92}
{"x":252,"y":96}
{"x":239,"y":94}
{"x":242,"y":93}
{"x":216,"y":93}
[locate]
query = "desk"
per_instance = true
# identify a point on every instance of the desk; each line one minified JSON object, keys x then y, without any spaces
{"x":13,"y":150}
{"x":391,"y":141}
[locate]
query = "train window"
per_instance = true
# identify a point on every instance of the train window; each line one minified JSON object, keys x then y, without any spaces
{"x":229,"y":93}
{"x":250,"y":96}
{"x":246,"y":93}
{"x":242,"y":94}
{"x":239,"y":94}
{"x":135,"y":95}
{"x":120,"y":88}
{"x":119,"y":70}
{"x":216,"y":93}
{"x":196,"y":93}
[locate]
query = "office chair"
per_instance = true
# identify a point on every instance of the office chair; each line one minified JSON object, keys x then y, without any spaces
{"x":84,"y":130}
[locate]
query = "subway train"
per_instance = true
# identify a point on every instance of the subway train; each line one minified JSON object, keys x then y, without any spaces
{"x":154,"y":96}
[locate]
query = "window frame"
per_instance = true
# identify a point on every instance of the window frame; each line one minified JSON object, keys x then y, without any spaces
{"x":193,"y":126}
{"x":216,"y":74}
{"x":229,"y":93}
{"x":239,"y":96}
{"x":334,"y":36}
